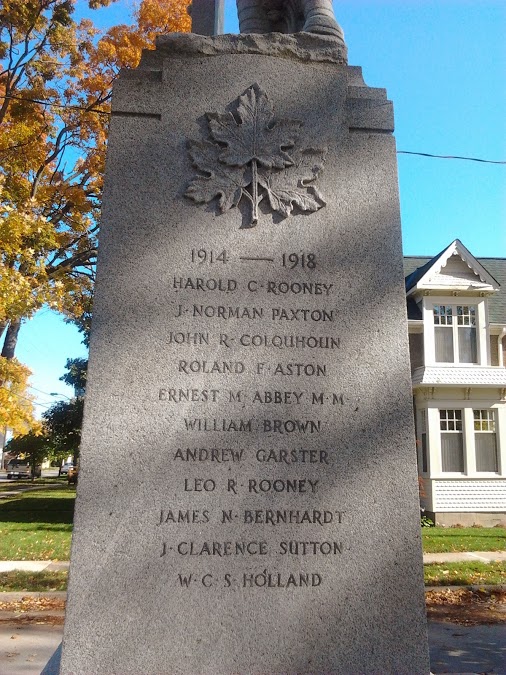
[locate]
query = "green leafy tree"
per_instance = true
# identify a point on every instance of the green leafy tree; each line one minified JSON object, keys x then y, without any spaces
{"x":63,"y":422}
{"x":76,"y":375}
{"x":31,"y":447}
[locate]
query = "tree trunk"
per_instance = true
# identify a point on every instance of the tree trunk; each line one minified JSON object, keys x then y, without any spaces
{"x":11,"y":339}
{"x":3,"y":326}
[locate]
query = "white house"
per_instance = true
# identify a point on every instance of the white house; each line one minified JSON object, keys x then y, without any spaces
{"x":457,"y":327}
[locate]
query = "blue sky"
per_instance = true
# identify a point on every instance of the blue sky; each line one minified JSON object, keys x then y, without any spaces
{"x":443,"y":64}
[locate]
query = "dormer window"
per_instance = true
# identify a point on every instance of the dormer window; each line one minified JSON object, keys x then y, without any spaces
{"x":455,"y":334}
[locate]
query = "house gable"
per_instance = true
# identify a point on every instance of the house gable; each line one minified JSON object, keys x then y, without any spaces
{"x":454,"y":269}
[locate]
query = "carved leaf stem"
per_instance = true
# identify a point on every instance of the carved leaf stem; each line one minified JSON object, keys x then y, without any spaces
{"x":254,"y":187}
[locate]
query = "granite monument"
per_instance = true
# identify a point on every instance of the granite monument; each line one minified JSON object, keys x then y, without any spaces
{"x":249,"y":383}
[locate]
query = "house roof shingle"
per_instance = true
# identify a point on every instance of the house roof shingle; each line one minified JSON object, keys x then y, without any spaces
{"x":416,"y":266}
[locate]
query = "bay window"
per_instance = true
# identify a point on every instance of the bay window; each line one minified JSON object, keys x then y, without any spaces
{"x":468,"y":441}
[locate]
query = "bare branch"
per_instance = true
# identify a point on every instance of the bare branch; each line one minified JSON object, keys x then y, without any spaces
{"x":58,"y":149}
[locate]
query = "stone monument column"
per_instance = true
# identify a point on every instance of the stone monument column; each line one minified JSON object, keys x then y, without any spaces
{"x":247,"y":500}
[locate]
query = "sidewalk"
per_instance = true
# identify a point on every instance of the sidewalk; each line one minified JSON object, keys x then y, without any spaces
{"x":477,"y":556}
{"x":34,"y":565}
{"x":50,"y":566}
{"x":19,"y":489}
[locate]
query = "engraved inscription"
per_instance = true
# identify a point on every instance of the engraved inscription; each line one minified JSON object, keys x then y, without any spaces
{"x":218,"y":455}
{"x":201,"y":284}
{"x":276,"y":313}
{"x":267,"y":436}
{"x":280,"y":341}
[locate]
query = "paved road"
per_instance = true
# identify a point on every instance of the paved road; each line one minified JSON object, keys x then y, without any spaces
{"x":25,"y":649}
{"x":46,"y":473}
{"x":467,"y":649}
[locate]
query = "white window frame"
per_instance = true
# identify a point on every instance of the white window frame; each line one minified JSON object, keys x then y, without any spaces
{"x":446,"y":317}
{"x":422,"y":435}
{"x":451,"y":421}
{"x":485,"y":424}
{"x":482,"y":341}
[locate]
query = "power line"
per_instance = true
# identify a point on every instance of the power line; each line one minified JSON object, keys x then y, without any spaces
{"x":13,"y":393}
{"x":104,"y":112}
{"x":47,"y":393}
{"x":468,"y":159}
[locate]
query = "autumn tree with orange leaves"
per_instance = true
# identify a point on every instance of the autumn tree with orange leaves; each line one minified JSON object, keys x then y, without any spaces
{"x":56,"y":77}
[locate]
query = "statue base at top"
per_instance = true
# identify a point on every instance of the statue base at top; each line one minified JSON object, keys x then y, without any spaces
{"x":300,"y":46}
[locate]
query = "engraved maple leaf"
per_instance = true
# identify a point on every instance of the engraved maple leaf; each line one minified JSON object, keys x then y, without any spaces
{"x":223,"y":181}
{"x":291,"y":187}
{"x":252,"y":155}
{"x":254,"y":136}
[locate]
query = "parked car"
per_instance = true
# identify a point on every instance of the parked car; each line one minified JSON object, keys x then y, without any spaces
{"x":72,"y":475}
{"x":20,"y":468}
{"x":64,"y":469}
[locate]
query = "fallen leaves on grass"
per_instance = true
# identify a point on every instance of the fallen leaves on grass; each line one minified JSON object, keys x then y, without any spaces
{"x":466,"y":607}
{"x":31,"y":604}
{"x":459,"y":606}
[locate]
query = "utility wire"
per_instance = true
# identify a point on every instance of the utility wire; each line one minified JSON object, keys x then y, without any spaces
{"x":469,"y":159}
{"x":13,"y":393}
{"x":39,"y":390}
{"x":104,"y":112}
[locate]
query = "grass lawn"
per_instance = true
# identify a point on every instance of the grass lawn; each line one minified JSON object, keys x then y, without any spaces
{"x":37,"y":525}
{"x":445,"y":539}
{"x":464,"y":573}
{"x":33,"y":581}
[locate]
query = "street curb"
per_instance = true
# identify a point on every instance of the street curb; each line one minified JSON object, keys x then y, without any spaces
{"x":17,"y":596}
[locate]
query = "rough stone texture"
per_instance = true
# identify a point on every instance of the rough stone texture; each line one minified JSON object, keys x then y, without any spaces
{"x":302,"y":46}
{"x":363,"y":608}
